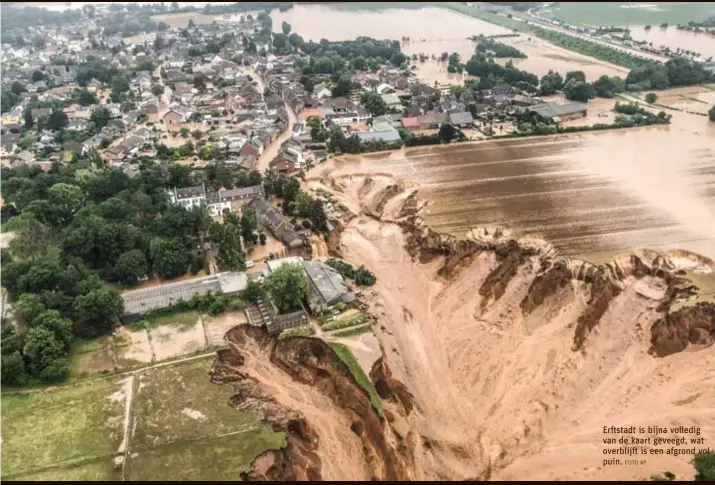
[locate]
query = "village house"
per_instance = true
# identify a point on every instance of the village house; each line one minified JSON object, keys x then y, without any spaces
{"x":461,"y":119}
{"x":176,"y":116}
{"x":431,"y":121}
{"x":279,"y":225}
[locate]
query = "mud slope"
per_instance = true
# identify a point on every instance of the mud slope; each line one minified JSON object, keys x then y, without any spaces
{"x":516,"y":358}
{"x":305,"y":390}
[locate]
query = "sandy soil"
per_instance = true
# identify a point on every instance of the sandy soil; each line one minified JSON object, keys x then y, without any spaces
{"x":216,"y":327}
{"x":137,"y":348}
{"x":171,"y":341}
{"x":341,"y":450}
{"x":365,"y":348}
{"x":498,"y":390}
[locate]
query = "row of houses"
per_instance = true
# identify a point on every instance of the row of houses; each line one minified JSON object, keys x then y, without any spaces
{"x":217,"y":202}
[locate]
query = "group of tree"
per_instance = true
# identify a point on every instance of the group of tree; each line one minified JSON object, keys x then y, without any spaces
{"x":491,"y":74}
{"x":677,"y":71}
{"x":361,"y":275}
{"x":491,"y":47}
{"x":453,"y":64}
{"x":296,"y":203}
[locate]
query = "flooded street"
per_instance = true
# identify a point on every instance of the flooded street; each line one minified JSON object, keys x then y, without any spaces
{"x":433,"y":30}
{"x":591,"y":195}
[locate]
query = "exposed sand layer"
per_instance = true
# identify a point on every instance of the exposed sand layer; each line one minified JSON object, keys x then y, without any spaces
{"x":516,"y":358}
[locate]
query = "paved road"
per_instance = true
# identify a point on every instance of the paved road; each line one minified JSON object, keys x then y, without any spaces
{"x":613,"y":45}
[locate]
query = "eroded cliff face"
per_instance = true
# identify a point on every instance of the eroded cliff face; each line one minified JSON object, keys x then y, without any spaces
{"x":605,"y":282}
{"x":319,"y":375}
{"x":501,"y":359}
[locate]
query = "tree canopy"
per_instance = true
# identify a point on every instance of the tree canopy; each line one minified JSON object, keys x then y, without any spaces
{"x":287,"y":286}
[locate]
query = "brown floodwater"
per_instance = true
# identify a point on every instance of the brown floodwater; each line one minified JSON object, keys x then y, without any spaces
{"x":592,"y":195}
{"x":702,"y":43}
{"x":432,"y":30}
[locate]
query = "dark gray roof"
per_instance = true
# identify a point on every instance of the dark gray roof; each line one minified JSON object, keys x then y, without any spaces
{"x":327,"y":282}
{"x":188,"y":192}
{"x":548,"y":110}
{"x":461,"y":118}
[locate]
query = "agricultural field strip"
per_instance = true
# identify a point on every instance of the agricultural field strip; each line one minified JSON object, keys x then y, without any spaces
{"x":127,"y":448}
{"x":86,"y":459}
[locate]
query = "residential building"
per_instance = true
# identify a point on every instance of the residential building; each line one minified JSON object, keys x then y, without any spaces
{"x":461,"y":119}
{"x":277,"y":224}
{"x":224,"y":200}
{"x":326,"y":287}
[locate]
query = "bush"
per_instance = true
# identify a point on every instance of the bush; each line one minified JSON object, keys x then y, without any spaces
{"x":345,"y":269}
{"x":364,"y":277}
{"x":345,"y":322}
{"x":651,"y":98}
{"x":56,"y":371}
{"x":253,"y":291}
{"x":704,"y":464}
{"x":301,"y":331}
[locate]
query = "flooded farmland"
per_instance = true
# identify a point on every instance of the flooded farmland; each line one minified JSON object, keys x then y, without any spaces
{"x":592,"y":195}
{"x":432,"y":30}
{"x":701,"y":43}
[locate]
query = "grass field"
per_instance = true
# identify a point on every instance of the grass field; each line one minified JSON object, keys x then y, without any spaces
{"x":618,"y":13}
{"x":98,"y":469}
{"x":182,"y":427}
{"x":353,"y":331}
{"x":178,"y":402}
{"x":46,"y":428}
{"x":222,"y":458}
{"x":347,"y":356}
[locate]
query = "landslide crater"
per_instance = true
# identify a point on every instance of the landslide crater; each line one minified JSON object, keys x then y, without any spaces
{"x":306,"y":391}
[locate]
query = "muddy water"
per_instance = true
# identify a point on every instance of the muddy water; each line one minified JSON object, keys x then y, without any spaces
{"x":592,"y":195}
{"x":431,"y":30}
{"x":674,"y":38}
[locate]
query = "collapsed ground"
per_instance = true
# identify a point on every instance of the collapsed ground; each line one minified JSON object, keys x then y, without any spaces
{"x":515,"y":359}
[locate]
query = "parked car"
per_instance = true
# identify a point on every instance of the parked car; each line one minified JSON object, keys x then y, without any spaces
{"x":250,"y":264}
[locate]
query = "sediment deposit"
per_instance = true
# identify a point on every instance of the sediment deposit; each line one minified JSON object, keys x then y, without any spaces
{"x":501,"y":359}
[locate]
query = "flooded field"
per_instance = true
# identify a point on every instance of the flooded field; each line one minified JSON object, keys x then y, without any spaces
{"x":432,"y":30}
{"x":702,"y":43}
{"x":696,"y":99}
{"x":591,"y":195}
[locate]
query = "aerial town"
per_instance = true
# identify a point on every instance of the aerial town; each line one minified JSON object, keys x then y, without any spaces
{"x":288,"y":241}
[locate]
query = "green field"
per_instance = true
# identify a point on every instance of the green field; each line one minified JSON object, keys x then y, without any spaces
{"x":42,"y":429}
{"x":166,"y":398}
{"x":222,"y":458}
{"x":616,"y":13}
{"x":182,"y":427}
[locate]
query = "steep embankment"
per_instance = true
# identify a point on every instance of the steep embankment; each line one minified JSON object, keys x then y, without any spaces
{"x":500,"y":359}
{"x":305,"y":390}
{"x":517,"y":358}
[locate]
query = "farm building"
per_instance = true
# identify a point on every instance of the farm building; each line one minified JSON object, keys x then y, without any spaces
{"x":148,"y":300}
{"x":564,"y":112}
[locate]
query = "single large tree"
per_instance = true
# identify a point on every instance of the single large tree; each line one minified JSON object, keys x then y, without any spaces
{"x":57,"y":120}
{"x":374,"y":103}
{"x":287,"y":286}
